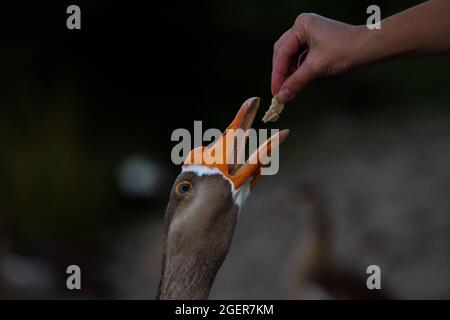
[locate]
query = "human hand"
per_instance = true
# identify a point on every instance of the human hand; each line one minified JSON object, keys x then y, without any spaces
{"x":315,"y":46}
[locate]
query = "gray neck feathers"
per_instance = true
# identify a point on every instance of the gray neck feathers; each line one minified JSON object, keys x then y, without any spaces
{"x":190,"y":274}
{"x":188,"y":279}
{"x":198,"y":234}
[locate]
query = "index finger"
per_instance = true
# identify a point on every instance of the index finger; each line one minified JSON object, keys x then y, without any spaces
{"x":287,"y":49}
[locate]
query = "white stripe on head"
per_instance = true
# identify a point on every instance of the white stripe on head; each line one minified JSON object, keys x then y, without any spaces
{"x":239,"y":195}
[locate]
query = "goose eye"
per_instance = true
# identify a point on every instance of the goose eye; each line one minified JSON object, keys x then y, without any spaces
{"x":183,"y":188}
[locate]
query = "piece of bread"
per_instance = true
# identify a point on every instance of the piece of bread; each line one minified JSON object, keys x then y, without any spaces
{"x":274,"y":111}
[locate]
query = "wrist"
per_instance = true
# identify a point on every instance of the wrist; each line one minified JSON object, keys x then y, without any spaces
{"x":366,"y":46}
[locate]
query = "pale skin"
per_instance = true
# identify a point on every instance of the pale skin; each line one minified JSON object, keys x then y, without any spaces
{"x":316,"y":46}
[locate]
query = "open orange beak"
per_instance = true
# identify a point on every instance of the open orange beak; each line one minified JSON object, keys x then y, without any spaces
{"x":228,"y":152}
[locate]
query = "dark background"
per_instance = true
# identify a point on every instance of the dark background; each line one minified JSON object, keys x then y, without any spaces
{"x":86,"y":117}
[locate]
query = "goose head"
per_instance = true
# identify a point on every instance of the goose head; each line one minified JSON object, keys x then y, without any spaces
{"x":204,"y":204}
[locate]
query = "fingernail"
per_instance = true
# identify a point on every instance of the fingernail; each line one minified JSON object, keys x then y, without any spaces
{"x":284,"y":94}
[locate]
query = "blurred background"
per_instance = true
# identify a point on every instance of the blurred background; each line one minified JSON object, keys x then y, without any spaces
{"x":85,"y":172}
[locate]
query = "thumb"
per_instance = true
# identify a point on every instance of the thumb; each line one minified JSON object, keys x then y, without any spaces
{"x":296,"y":81}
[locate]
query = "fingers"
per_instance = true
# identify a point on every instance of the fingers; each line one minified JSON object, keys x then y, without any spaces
{"x":285,"y":55}
{"x":295,"y":82}
{"x":315,"y":46}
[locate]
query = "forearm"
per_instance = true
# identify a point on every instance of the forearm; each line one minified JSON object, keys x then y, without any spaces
{"x":420,"y":30}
